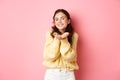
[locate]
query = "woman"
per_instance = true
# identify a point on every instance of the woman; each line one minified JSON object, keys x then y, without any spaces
{"x":60,"y":56}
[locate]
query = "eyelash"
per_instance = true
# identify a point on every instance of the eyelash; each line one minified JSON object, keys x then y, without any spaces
{"x":61,"y":18}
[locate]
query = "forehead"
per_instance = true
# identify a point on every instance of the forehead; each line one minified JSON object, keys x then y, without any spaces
{"x":60,"y":14}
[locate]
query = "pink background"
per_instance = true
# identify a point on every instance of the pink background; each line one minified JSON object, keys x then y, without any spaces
{"x":23,"y":24}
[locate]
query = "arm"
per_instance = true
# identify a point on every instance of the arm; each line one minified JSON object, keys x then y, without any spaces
{"x":68,"y":52}
{"x":51,"y":48}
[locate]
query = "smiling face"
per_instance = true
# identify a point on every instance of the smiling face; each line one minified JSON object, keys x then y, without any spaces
{"x":61,"y":21}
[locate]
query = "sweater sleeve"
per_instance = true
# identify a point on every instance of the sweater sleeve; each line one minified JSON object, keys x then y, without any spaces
{"x":68,"y":52}
{"x":51,"y":48}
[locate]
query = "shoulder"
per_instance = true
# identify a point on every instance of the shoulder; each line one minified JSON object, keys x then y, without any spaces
{"x":74,"y":38}
{"x":49,"y":32}
{"x":75,"y":35}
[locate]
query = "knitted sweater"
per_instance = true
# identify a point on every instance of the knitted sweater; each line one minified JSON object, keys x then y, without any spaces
{"x":59,"y":53}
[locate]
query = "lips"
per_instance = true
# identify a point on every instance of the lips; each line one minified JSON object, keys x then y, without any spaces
{"x":60,"y":25}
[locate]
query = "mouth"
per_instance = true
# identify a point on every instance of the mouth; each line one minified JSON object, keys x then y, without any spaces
{"x":60,"y":25}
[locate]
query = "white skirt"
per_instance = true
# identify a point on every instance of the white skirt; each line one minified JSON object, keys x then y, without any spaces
{"x":58,"y":74}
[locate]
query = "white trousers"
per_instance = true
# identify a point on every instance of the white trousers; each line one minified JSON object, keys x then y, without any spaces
{"x":58,"y":74}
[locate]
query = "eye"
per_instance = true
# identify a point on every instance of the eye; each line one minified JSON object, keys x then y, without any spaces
{"x":63,"y":18}
{"x":56,"y":19}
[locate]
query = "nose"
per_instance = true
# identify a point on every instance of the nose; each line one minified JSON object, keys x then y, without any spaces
{"x":59,"y":20}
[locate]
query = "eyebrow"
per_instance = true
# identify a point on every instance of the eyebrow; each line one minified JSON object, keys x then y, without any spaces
{"x":61,"y":17}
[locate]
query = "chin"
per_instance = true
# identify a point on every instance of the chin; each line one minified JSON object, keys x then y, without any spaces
{"x":60,"y":28}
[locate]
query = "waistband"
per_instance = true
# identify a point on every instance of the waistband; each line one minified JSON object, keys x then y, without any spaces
{"x":59,"y":70}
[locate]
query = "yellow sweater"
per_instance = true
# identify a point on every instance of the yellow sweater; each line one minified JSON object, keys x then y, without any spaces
{"x":59,"y":53}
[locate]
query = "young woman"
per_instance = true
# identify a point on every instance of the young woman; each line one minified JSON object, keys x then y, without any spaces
{"x":60,"y":57}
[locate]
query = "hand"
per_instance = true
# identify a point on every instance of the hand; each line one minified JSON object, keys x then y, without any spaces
{"x":65,"y":35}
{"x":56,"y":35}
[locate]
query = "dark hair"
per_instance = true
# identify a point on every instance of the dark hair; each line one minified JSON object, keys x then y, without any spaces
{"x":69,"y":27}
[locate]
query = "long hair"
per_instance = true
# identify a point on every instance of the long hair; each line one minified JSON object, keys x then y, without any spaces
{"x":69,"y":27}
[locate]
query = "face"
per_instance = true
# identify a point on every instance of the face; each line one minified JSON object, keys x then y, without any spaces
{"x":61,"y":21}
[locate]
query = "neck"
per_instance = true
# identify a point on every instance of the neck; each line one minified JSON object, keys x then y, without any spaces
{"x":62,"y":31}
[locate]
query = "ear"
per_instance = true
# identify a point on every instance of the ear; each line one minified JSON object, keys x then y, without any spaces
{"x":69,"y":21}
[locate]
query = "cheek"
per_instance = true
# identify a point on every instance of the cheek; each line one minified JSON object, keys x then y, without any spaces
{"x":66,"y":21}
{"x":54,"y":22}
